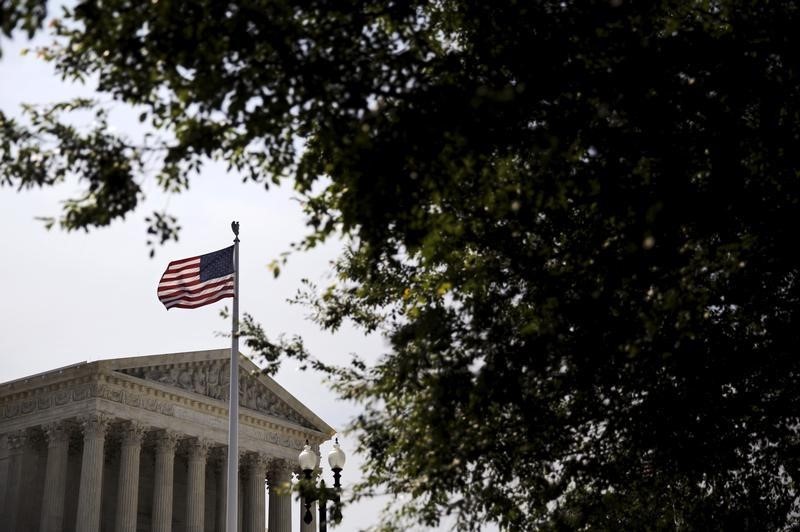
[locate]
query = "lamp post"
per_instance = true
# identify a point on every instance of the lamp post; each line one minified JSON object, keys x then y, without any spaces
{"x":311,"y":493}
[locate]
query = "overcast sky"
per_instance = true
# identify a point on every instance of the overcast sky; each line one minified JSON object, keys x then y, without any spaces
{"x":82,"y":297}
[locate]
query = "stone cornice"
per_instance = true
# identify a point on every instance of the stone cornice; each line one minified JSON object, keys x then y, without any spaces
{"x":53,"y":376}
{"x":27,"y":387}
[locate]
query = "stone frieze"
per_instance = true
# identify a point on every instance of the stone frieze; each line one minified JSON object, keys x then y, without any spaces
{"x":47,"y":399}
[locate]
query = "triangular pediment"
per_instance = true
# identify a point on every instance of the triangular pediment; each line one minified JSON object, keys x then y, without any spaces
{"x":207,"y":373}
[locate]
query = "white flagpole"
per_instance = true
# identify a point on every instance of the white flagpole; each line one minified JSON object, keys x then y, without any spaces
{"x":233,"y":402}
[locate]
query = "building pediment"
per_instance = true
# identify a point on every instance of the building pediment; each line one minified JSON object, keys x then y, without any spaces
{"x":207,"y":373}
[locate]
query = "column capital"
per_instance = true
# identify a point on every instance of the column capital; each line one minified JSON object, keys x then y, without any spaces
{"x":132,"y":433}
{"x":166,"y":441}
{"x":94,"y":425}
{"x":198,"y":448}
{"x":256,"y":461}
{"x":18,"y":440}
{"x":279,"y":471}
{"x":57,"y":432}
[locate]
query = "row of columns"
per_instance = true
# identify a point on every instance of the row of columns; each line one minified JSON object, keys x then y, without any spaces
{"x":90,"y":496}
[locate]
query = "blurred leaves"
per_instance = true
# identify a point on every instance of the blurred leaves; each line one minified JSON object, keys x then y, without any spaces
{"x":50,"y":150}
{"x":26,"y":15}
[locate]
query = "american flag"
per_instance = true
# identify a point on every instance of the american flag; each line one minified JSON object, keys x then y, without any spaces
{"x":198,"y":281}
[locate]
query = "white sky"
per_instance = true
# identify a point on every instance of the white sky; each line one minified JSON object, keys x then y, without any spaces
{"x":76,"y":297}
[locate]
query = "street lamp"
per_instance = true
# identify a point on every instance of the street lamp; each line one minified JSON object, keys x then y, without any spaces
{"x":311,"y":493}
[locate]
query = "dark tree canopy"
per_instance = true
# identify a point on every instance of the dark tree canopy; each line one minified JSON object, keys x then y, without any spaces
{"x":574,"y":220}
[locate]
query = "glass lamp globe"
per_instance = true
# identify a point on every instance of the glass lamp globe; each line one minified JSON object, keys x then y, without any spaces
{"x":336,"y":457}
{"x":307,"y":458}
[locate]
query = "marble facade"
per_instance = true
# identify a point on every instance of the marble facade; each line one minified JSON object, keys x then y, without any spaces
{"x":139,"y":444}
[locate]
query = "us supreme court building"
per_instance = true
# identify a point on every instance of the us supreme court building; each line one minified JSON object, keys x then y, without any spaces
{"x":139,"y":444}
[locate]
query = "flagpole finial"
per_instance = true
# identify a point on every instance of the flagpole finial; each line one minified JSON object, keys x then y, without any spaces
{"x":235,"y":229}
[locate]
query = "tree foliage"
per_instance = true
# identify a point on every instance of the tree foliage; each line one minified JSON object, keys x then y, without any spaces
{"x":574,"y":221}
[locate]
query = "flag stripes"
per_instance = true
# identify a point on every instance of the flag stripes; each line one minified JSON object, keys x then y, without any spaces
{"x":198,"y":281}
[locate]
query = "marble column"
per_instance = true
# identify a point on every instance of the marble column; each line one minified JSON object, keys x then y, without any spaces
{"x":55,"y":478}
{"x":17,"y":442}
{"x":128,"y":487}
{"x":280,"y":497}
{"x":162,"y":482}
{"x":256,"y":473}
{"x":91,"y":486}
{"x":196,"y":485}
